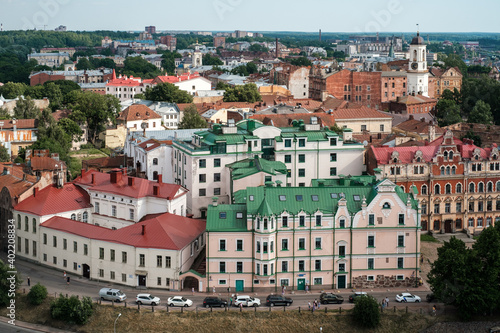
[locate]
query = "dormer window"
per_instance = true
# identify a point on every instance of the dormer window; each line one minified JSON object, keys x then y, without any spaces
{"x":386,"y":205}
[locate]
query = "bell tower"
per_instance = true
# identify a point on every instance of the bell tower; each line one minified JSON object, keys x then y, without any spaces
{"x":418,"y":75}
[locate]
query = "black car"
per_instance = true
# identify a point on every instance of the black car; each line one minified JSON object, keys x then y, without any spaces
{"x":273,"y":300}
{"x":327,"y":298}
{"x":210,"y":302}
{"x":355,"y":295}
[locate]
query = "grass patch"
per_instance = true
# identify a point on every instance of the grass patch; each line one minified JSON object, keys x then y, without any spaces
{"x":428,"y":238}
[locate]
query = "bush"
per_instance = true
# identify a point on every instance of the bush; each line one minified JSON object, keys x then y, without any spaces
{"x":72,"y":310}
{"x":428,"y":238}
{"x":37,"y":294}
{"x":366,"y":312}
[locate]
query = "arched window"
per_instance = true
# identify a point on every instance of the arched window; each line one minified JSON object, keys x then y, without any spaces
{"x":26,"y":224}
{"x":448,"y":170}
{"x":85,"y":217}
{"x":155,"y":175}
{"x":445,"y":155}
{"x":442,"y":170}
{"x":472,"y":188}
{"x":437,"y":189}
{"x":424,"y":189}
{"x":415,"y":55}
{"x":448,"y":189}
{"x":459,"y":188}
{"x":450,"y":156}
{"x":34,"y":225}
{"x":453,"y":170}
{"x":155,"y":161}
{"x":480,"y":187}
{"x":18,"y":221}
{"x":73,"y":216}
{"x":386,"y":205}
{"x":489,"y":187}
{"x":402,"y":187}
{"x":498,"y":186}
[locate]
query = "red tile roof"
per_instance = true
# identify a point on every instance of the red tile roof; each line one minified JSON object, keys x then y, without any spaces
{"x":418,"y":99}
{"x":165,"y":231}
{"x":53,"y":200}
{"x":125,"y":81}
{"x":332,"y":103}
{"x":174,"y":79}
{"x":361,"y":113}
{"x":20,"y":123}
{"x":140,"y":189}
{"x":285,"y":120}
{"x":45,"y":163}
{"x":16,"y":181}
{"x":60,"y":114}
{"x":153,"y":143}
{"x":417,"y":126}
{"x":406,"y":154}
{"x":138,"y":112}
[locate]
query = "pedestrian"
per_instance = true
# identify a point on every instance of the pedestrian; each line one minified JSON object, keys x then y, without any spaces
{"x":434,"y":310}
{"x":213,"y":289}
{"x":386,"y":301}
{"x":383,"y":303}
{"x":282,"y":291}
{"x":307,"y":289}
{"x":67,"y":280}
{"x":318,"y":304}
{"x":309,"y":304}
{"x":192,"y":291}
{"x":314,"y":307}
{"x":64,"y":275}
{"x":231,"y":301}
{"x":241,"y":305}
{"x":29,"y":281}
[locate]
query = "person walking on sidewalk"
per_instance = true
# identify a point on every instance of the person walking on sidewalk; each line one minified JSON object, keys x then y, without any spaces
{"x":64,"y":275}
{"x":67,"y":280}
{"x":29,"y":281}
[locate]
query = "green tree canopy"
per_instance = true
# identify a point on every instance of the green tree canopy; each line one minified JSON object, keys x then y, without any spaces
{"x":258,"y":48}
{"x":26,"y":109}
{"x":139,"y":67}
{"x":245,"y":93}
{"x":191,"y":118}
{"x":12,"y":90}
{"x":5,"y":280}
{"x":301,"y":61}
{"x":481,"y":113}
{"x":211,"y":60}
{"x":84,"y":63}
{"x":366,"y":312}
{"x":54,"y":94}
{"x":4,"y":154}
{"x":167,"y":92}
{"x":447,"y":112}
{"x":71,"y":128}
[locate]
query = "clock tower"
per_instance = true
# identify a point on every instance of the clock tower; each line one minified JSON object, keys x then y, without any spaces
{"x":418,"y":75}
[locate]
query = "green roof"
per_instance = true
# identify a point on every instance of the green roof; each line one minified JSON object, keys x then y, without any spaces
{"x":250,"y":166}
{"x":344,"y":180}
{"x":240,"y":197}
{"x":224,"y":218}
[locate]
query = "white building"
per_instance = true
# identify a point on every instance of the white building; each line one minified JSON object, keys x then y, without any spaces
{"x":139,"y":117}
{"x":418,"y":74}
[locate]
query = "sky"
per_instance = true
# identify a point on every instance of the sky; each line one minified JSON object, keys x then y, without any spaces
{"x":367,"y":16}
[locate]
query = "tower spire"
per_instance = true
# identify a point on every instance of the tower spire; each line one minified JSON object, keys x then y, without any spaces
{"x":418,"y":30}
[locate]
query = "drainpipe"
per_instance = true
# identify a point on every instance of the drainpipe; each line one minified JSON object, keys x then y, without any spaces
{"x":295,"y":162}
{"x":350,"y":254}
{"x":253,"y":250}
{"x":208,"y":262}
{"x":333,"y":251}
{"x":310,"y":251}
{"x":293,"y":252}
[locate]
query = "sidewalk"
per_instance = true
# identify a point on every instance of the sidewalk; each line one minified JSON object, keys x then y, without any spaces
{"x":35,"y":327}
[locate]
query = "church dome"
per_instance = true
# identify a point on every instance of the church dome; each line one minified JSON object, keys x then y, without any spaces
{"x":417,"y":40}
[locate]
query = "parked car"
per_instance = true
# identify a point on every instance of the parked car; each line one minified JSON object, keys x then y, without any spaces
{"x":113,"y":295}
{"x":147,"y":299}
{"x":327,"y":298}
{"x":407,"y":297}
{"x":246,"y":300}
{"x":179,"y":301}
{"x":355,"y":295}
{"x":214,"y":302}
{"x":273,"y":300}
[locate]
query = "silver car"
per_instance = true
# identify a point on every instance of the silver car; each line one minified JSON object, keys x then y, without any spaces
{"x":407,"y":297}
{"x":147,"y":299}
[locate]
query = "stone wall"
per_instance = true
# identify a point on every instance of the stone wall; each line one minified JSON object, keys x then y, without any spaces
{"x":382,"y":281}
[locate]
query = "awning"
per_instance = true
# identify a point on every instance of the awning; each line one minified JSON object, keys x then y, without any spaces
{"x":141,"y":272}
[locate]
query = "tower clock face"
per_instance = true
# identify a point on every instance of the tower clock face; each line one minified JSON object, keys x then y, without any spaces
{"x":414,"y":66}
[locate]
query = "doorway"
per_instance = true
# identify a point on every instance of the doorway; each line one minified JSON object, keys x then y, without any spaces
{"x":448,"y":227}
{"x":142,"y":280}
{"x":301,"y":284}
{"x":86,"y":271}
{"x":341,"y":282}
{"x":240,"y":285}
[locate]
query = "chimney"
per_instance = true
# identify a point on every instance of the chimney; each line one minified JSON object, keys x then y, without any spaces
{"x":83,"y":172}
{"x":116,"y":176}
{"x":143,"y":229}
{"x":130,"y":181}
{"x":160,"y":179}
{"x":156,"y":190}
{"x":35,"y":191}
{"x":93,"y":179}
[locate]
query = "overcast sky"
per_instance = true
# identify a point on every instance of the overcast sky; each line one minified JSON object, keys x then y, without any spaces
{"x":254,"y":15}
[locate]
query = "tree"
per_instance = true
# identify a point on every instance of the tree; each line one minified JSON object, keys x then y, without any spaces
{"x":37,"y":294}
{"x":7,"y":281}
{"x":447,"y":112}
{"x":4,"y":154}
{"x":481,"y":113}
{"x":72,"y":309}
{"x":96,"y":110}
{"x":4,"y":113}
{"x":139,"y":67}
{"x":26,"y":109}
{"x":168,"y":92}
{"x":366,"y":312}
{"x":12,"y":90}
{"x":471,"y":135}
{"x":54,"y":94}
{"x":222,"y":86}
{"x":83,"y":64}
{"x":71,"y":128}
{"x":191,"y":118}
{"x":210,"y":60}
{"x":258,"y":48}
{"x":301,"y":61}
{"x":245,"y":93}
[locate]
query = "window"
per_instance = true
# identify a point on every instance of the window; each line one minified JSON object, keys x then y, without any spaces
{"x":401,"y":263}
{"x":371,"y":263}
{"x":302,"y":172}
{"x":333,"y":141}
{"x":155,"y":161}
{"x":239,"y":267}
{"x":317,"y":265}
{"x":471,"y":206}
{"x":216,"y":162}
{"x":401,"y":241}
{"x":258,"y":246}
{"x":75,"y":247}
{"x":168,"y":262}
{"x":288,"y":158}
{"x":459,"y":188}
{"x":131,"y":214}
{"x":54,"y":260}
{"x":342,"y":223}
{"x":401,"y":219}
{"x":113,"y":210}
{"x":159,"y":261}
{"x":424,"y":189}
{"x":202,"y":178}
{"x":371,"y":241}
{"x":424,"y":209}
{"x":302,"y":158}
{"x":302,"y":142}
{"x":65,"y":244}
{"x":317,"y":242}
{"x":202,"y":192}
{"x":284,"y":244}
{"x":34,"y":226}
{"x":371,"y":219}
{"x":45,"y":239}
{"x":302,"y":221}
{"x":124,"y":257}
{"x":458,"y":207}
{"x":96,"y":208}
{"x":26,"y":223}
{"x":142,"y":260}
{"x":363,"y":127}
{"x":480,"y":187}
{"x":318,"y":220}
{"x":222,"y":245}
{"x":479,"y":222}
{"x":264,"y":247}
{"x":284,"y":222}
{"x":288,"y":143}
{"x":101,"y":253}
{"x":480,"y":206}
{"x":217,"y":191}
{"x":447,"y":189}
{"x":471,"y":223}
{"x":341,"y":267}
{"x":302,"y":265}
{"x":202,"y":163}
{"x":341,"y":251}
{"x":239,"y":245}
{"x":284,"y":266}
{"x":333,"y":171}
{"x":222,"y":267}
{"x":437,"y":189}
{"x":54,"y":241}
{"x":447,"y":207}
{"x":302,"y":243}
{"x":333,"y":157}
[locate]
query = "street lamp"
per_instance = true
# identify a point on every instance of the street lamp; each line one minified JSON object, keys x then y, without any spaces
{"x":114,"y":327}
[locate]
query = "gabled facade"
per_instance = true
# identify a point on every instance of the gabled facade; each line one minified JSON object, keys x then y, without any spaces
{"x":353,"y":232}
{"x":308,"y":152}
{"x":458,"y":183}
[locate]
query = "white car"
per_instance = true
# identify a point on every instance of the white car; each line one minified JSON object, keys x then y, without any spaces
{"x":407,"y":297}
{"x":147,"y":299}
{"x":246,"y":300}
{"x":179,"y":301}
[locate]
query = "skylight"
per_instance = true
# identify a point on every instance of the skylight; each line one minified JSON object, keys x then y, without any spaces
{"x":314,"y":197}
{"x":334,"y":195}
{"x":282,"y":197}
{"x":222,"y":215}
{"x":356,"y":197}
{"x":298,"y":197}
{"x":250,"y":197}
{"x":239,"y":215}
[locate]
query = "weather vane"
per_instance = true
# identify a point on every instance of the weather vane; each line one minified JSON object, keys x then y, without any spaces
{"x":417,"y":28}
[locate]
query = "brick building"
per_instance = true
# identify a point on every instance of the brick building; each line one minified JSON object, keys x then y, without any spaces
{"x":169,"y":41}
{"x":413,"y":104}
{"x":393,"y":85}
{"x":295,"y":78}
{"x":450,"y":78}
{"x":219,"y":42}
{"x":457,"y":182}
